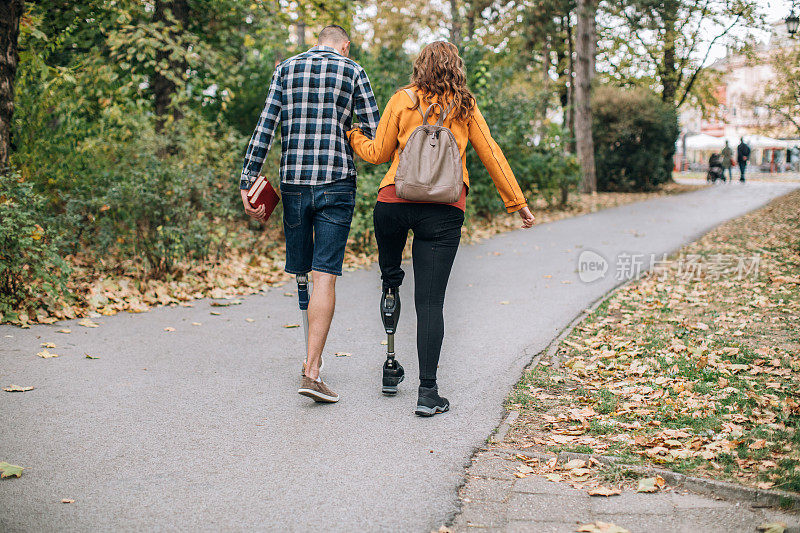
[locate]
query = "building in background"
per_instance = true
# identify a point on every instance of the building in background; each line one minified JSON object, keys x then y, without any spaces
{"x":773,"y":140}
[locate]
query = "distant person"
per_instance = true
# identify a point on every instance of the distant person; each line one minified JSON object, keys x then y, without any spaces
{"x":438,"y":90}
{"x":742,"y":157}
{"x":727,"y":161}
{"x":313,"y":97}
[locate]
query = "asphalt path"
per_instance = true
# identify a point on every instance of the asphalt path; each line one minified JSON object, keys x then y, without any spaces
{"x":201,"y":428}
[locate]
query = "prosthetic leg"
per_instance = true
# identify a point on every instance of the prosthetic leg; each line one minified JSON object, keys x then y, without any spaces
{"x":303,"y":299}
{"x":393,"y":372}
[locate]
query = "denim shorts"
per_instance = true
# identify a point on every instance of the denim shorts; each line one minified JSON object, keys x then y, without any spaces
{"x":316,"y":222}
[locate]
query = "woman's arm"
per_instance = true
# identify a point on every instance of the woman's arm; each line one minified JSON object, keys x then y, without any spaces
{"x":495,"y":162}
{"x":380,"y":149}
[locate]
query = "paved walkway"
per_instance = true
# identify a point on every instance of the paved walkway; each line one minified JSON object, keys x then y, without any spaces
{"x":200,"y":428}
{"x":495,"y":500}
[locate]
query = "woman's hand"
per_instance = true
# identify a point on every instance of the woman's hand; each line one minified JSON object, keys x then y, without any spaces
{"x":259,"y":213}
{"x":527,"y":217}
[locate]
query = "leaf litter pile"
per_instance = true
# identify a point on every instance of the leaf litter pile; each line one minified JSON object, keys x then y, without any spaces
{"x":105,"y":287}
{"x":698,"y":374}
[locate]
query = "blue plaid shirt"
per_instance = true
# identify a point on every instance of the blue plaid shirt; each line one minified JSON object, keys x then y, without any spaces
{"x":314,"y":94}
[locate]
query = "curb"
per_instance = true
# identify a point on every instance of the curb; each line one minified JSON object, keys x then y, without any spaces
{"x":720,"y":489}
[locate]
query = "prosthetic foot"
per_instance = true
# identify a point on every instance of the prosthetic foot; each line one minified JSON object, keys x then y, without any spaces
{"x":393,"y":372}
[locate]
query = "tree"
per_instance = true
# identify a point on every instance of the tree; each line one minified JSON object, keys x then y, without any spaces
{"x":10,"y":15}
{"x":174,"y":16}
{"x":664,"y":44}
{"x":585,"y":49}
{"x":782,"y":97}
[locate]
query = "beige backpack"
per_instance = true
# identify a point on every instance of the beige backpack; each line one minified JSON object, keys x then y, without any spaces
{"x":430,"y":168}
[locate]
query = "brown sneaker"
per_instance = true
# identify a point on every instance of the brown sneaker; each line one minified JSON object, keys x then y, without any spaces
{"x":317,"y":391}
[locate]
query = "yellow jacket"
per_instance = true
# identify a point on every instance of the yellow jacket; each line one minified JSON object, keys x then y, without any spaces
{"x":400,"y":119}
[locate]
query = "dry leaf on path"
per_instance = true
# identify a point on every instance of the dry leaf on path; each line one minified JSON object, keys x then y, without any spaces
{"x":44,"y":354}
{"x":342,"y":354}
{"x":215,"y":313}
{"x":67,"y":500}
{"x":169,"y":329}
{"x":291,"y":325}
{"x":8,"y":470}
{"x":87,"y":323}
{"x":772,"y":527}
{"x":17,"y":388}
{"x":604,"y":491}
{"x":575,"y":463}
{"x":553,"y":477}
{"x":50,"y":345}
{"x":651,"y":484}
{"x":64,"y":330}
{"x":601,"y":527}
{"x":87,"y":356}
{"x":249,"y":319}
{"x":196,"y":324}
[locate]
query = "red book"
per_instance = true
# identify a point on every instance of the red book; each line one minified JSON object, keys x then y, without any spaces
{"x":262,"y":193}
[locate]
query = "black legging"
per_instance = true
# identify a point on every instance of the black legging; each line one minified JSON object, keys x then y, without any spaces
{"x":437,"y":231}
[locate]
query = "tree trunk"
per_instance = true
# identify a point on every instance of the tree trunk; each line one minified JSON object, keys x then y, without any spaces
{"x":164,"y":88}
{"x":585,"y":47}
{"x":301,"y":35}
{"x":570,"y":96}
{"x":10,"y":15}
{"x":455,"y":24}
{"x":669,"y":69}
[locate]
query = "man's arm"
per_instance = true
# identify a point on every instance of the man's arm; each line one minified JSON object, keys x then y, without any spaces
{"x":365,"y":106}
{"x":262,"y":138}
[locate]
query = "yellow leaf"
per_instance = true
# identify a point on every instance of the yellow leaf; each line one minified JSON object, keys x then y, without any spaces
{"x":291,"y":325}
{"x":87,"y":323}
{"x":44,"y":354}
{"x":604,"y":491}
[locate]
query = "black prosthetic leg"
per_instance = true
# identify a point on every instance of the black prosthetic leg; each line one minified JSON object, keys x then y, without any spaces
{"x":393,"y":372}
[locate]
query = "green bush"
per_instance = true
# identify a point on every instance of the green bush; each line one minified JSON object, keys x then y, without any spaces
{"x":30,"y":268}
{"x":634,"y":139}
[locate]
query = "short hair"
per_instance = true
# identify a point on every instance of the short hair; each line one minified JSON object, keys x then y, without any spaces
{"x":333,"y":34}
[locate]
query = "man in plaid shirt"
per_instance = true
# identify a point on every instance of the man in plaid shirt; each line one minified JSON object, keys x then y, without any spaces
{"x":313,"y":96}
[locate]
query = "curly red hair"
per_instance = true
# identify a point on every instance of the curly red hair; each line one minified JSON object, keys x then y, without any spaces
{"x":439,"y":70}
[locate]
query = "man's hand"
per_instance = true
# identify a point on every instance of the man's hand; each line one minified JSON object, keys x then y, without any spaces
{"x":258,"y":214}
{"x":526,"y":216}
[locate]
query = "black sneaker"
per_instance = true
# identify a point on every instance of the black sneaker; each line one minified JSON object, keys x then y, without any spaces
{"x":430,"y":403}
{"x":393,"y":374}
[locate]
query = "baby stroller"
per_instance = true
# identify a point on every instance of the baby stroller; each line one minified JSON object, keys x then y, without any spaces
{"x":715,"y":170}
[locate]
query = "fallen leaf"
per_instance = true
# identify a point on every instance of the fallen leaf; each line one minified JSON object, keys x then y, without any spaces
{"x":249,"y":319}
{"x":226,"y":304}
{"x":604,"y":491}
{"x":647,"y":484}
{"x":168,"y":328}
{"x":87,"y":323}
{"x":525,"y":469}
{"x":772,"y":527}
{"x":342,"y":354}
{"x":67,"y":500}
{"x":384,"y":343}
{"x":17,"y":388}
{"x":765,"y":485}
{"x":44,"y":354}
{"x":196,"y":324}
{"x":291,"y":325}
{"x":65,"y":330}
{"x":575,"y":463}
{"x":601,"y":527}
{"x":215,"y":313}
{"x":505,"y":302}
{"x":553,"y":477}
{"x":50,"y":345}
{"x":7,"y":470}
{"x":90,"y":356}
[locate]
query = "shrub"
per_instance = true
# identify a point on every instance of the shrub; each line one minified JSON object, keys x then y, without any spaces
{"x":634,"y":139}
{"x":31,"y":271}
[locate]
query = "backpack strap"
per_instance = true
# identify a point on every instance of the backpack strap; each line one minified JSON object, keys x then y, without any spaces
{"x":411,"y":94}
{"x":446,"y":112}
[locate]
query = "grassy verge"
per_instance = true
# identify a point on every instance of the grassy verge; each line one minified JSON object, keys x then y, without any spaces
{"x":93,"y":289}
{"x":694,"y":367}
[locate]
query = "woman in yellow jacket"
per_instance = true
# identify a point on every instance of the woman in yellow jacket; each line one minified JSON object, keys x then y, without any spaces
{"x":438,"y":77}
